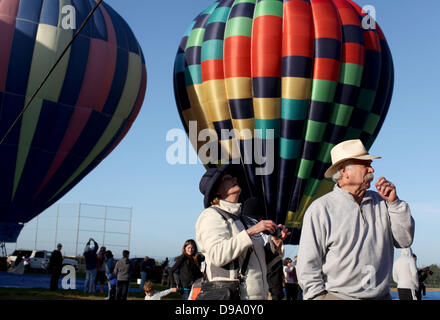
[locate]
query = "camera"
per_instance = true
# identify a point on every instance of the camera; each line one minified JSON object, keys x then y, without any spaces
{"x":427,"y":270}
{"x":277,"y":233}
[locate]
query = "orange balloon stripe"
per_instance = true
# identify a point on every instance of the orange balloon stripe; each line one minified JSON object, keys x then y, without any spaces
{"x":298,"y":29}
{"x":266,"y":46}
{"x":353,"y":53}
{"x":237,"y":56}
{"x":212,"y":70}
{"x":326,"y":69}
{"x":348,"y":16}
{"x":327,"y":23}
{"x":372,"y":41}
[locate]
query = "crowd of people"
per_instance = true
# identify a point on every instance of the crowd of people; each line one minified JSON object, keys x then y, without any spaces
{"x":345,"y":252}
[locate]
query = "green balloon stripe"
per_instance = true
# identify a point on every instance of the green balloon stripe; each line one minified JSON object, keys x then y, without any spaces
{"x":220,"y":14}
{"x":323,"y":90}
{"x":266,"y":124}
{"x":193,"y":75}
{"x":293,"y":109}
{"x":366,"y":99}
{"x":315,"y":130}
{"x":371,"y":124}
{"x":341,"y":114}
{"x":212,"y":49}
{"x":195,"y":38}
{"x":305,"y":168}
{"x":290,"y":149}
{"x":239,"y":26}
{"x":211,"y":8}
{"x":269,"y":7}
{"x":351,"y":74}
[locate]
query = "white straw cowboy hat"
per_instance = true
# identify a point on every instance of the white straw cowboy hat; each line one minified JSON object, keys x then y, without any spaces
{"x":350,"y":149}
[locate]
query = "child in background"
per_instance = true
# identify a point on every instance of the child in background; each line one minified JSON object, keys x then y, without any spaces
{"x":151,"y":294}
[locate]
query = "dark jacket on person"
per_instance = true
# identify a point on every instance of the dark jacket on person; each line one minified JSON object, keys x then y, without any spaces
{"x":274,"y":263}
{"x":123,"y":269}
{"x":185,"y":271}
{"x":56,"y":262}
{"x":147,"y":265}
{"x":91,"y":258}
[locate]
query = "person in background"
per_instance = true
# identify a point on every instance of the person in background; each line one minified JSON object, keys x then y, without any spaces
{"x":422,"y":274}
{"x":405,"y":275}
{"x":122,"y":272}
{"x":100,"y":271}
{"x":143,"y":272}
{"x":186,"y":270}
{"x":291,"y":280}
{"x":55,"y":267}
{"x":112,"y":280}
{"x":346,"y":249}
{"x":254,"y":209}
{"x":165,"y":263}
{"x":151,"y":294}
{"x":91,"y":265}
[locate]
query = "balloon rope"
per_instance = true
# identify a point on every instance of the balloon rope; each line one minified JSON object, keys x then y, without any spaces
{"x":51,"y":71}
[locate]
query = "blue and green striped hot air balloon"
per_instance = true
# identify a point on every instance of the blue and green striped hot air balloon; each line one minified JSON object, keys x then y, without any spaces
{"x":307,"y":69}
{"x":78,"y":117}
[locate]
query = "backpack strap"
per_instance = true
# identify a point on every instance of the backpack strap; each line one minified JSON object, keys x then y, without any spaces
{"x":226,"y":216}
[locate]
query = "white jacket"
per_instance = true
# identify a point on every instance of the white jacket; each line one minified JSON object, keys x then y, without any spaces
{"x":213,"y":236}
{"x":405,"y":271}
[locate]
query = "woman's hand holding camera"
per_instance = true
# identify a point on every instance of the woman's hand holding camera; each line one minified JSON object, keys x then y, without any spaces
{"x":263,"y":226}
{"x":269,"y":227}
{"x":278,"y":241}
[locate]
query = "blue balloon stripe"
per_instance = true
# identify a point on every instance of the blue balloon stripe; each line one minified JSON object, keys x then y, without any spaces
{"x":215,"y":31}
{"x":30,"y":10}
{"x":50,"y":12}
{"x":20,"y":60}
{"x":328,"y":48}
{"x":119,"y":80}
{"x":75,"y":71}
{"x":244,"y":9}
{"x":297,"y":66}
{"x":241,"y":108}
{"x":99,"y":27}
{"x":82,"y":10}
{"x":100,"y":157}
{"x":193,"y":56}
{"x":52,"y":123}
{"x":10,"y":109}
{"x":121,"y":36}
{"x":370,"y":79}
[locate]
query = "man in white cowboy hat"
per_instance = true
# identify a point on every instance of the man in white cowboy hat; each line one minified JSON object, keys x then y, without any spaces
{"x":348,"y":236}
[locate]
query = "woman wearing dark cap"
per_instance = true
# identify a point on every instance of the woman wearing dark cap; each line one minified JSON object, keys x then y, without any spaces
{"x":224,"y":240}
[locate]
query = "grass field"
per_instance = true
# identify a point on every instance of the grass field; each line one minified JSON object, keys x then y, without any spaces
{"x":44,"y":294}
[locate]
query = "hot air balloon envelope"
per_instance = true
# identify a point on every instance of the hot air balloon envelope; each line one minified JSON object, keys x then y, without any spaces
{"x":312,"y":72}
{"x":78,"y":117}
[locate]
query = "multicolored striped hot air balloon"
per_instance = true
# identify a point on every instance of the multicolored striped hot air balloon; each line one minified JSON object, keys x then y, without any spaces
{"x":307,"y":69}
{"x":82,"y":112}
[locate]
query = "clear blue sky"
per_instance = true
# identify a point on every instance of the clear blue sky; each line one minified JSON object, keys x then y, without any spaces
{"x":165,"y":198}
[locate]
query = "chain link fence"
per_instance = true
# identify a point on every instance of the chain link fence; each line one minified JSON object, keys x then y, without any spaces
{"x":73,"y":224}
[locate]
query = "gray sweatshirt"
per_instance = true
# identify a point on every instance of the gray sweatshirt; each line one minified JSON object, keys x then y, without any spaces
{"x":348,"y":249}
{"x":122,"y":269}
